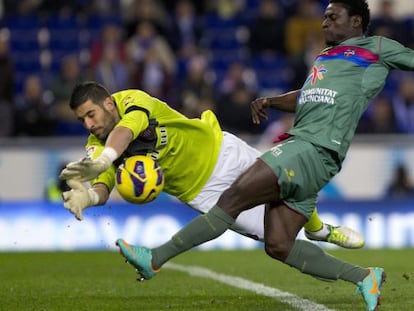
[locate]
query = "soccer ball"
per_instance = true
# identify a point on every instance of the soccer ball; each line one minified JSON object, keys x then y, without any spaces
{"x":139,"y":179}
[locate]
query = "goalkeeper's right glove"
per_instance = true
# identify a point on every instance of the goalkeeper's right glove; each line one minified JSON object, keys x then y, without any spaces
{"x":87,"y":169}
{"x":78,"y":198}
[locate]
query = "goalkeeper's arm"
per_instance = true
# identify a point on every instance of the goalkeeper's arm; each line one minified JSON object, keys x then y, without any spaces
{"x":102,"y":192}
{"x":119,"y":139}
{"x":87,"y":169}
{"x":116,"y":143}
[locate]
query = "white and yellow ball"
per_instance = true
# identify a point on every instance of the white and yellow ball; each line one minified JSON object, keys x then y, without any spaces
{"x":139,"y":179}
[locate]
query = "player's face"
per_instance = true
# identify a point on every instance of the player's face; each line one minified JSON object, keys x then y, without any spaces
{"x":338,"y":26}
{"x":99,"y":120}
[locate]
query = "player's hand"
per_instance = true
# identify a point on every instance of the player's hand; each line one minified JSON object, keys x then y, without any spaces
{"x":78,"y":198}
{"x":85,"y":169}
{"x":258,"y":108}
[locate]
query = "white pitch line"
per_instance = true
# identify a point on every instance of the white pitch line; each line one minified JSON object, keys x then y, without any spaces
{"x":258,"y":288}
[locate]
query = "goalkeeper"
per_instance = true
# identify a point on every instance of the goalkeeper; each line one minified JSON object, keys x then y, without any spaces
{"x":198,"y":159}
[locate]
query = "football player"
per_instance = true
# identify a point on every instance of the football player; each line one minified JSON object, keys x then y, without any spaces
{"x":343,"y":80}
{"x":198,"y":159}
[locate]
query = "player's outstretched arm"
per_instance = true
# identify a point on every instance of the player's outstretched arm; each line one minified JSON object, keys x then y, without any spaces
{"x":79,"y":197}
{"x":284,"y":102}
{"x":87,"y":169}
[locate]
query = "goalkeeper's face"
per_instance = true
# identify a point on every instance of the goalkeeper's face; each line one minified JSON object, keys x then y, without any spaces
{"x":99,"y":120}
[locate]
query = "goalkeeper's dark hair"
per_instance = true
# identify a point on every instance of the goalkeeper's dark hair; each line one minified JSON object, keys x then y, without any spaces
{"x":357,"y":7}
{"x":88,"y":90}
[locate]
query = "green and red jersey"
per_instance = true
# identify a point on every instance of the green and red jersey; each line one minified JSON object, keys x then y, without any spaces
{"x":340,"y":85}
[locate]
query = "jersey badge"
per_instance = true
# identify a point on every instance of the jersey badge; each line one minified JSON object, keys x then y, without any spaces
{"x":349,"y":53}
{"x":90,"y":151}
{"x":317,"y":73}
{"x":289,"y":174}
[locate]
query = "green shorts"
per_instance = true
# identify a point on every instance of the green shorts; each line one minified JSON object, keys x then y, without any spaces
{"x":302,"y":169}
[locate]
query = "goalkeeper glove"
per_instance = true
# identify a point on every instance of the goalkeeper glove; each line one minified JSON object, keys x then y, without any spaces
{"x":78,"y":198}
{"x":87,"y":169}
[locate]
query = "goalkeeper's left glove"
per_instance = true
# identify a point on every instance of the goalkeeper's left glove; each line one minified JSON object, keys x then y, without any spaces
{"x":87,"y":169}
{"x":78,"y":198}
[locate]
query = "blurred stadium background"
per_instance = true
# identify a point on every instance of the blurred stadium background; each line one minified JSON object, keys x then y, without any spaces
{"x":195,"y":55}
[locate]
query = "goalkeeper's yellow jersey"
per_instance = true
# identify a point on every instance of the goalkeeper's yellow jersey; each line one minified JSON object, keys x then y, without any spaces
{"x":186,"y":149}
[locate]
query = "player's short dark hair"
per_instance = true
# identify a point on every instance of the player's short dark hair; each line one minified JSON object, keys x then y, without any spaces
{"x":88,"y":90}
{"x":357,"y":7}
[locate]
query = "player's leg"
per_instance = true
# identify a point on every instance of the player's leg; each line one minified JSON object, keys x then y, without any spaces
{"x":342,"y":236}
{"x":281,"y":226}
{"x":315,"y":224}
{"x":235,"y":156}
{"x":257,"y":185}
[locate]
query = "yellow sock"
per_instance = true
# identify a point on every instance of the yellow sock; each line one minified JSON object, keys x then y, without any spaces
{"x":314,"y":223}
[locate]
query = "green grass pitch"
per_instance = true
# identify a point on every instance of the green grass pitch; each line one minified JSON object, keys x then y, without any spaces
{"x":101,"y":281}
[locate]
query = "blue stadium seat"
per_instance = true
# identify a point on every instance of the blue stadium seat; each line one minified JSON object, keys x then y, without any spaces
{"x":215,"y":21}
{"x":27,"y":62}
{"x":221,"y":39}
{"x":62,"y":22}
{"x":22,"y":22}
{"x":64,"y":32}
{"x":272,"y":71}
{"x":24,"y":40}
{"x":64,"y":40}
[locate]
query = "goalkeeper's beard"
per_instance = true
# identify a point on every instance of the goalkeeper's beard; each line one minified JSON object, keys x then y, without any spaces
{"x":108,"y":125}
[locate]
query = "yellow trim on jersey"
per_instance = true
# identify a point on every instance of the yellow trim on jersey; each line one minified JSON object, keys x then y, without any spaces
{"x":186,"y":149}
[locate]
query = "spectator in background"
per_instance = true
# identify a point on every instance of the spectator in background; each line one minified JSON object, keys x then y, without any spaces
{"x":196,"y":89}
{"x":186,"y":29}
{"x":150,"y":11}
{"x":69,"y":75}
{"x":267,"y":32}
{"x":111,"y":71}
{"x":400,"y":186}
{"x":61,"y":86}
{"x":233,"y":111}
{"x":99,"y":7}
{"x":385,"y":23}
{"x":237,"y":74}
{"x":53,"y":6}
{"x":403,"y":103}
{"x":235,"y":93}
{"x":111,"y":37}
{"x":195,"y":107}
{"x":6,"y":85}
{"x":34,"y":115}
{"x":226,"y":9}
{"x":153,"y":62}
{"x":306,"y":23}
{"x":108,"y":61}
{"x":379,"y":118}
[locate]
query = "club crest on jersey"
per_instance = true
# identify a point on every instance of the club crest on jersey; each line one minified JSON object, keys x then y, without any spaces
{"x":349,"y":53}
{"x":90,"y":151}
{"x":317,"y":73}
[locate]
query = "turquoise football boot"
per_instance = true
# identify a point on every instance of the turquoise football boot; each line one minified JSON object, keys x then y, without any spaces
{"x":139,"y":257}
{"x":370,"y":287}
